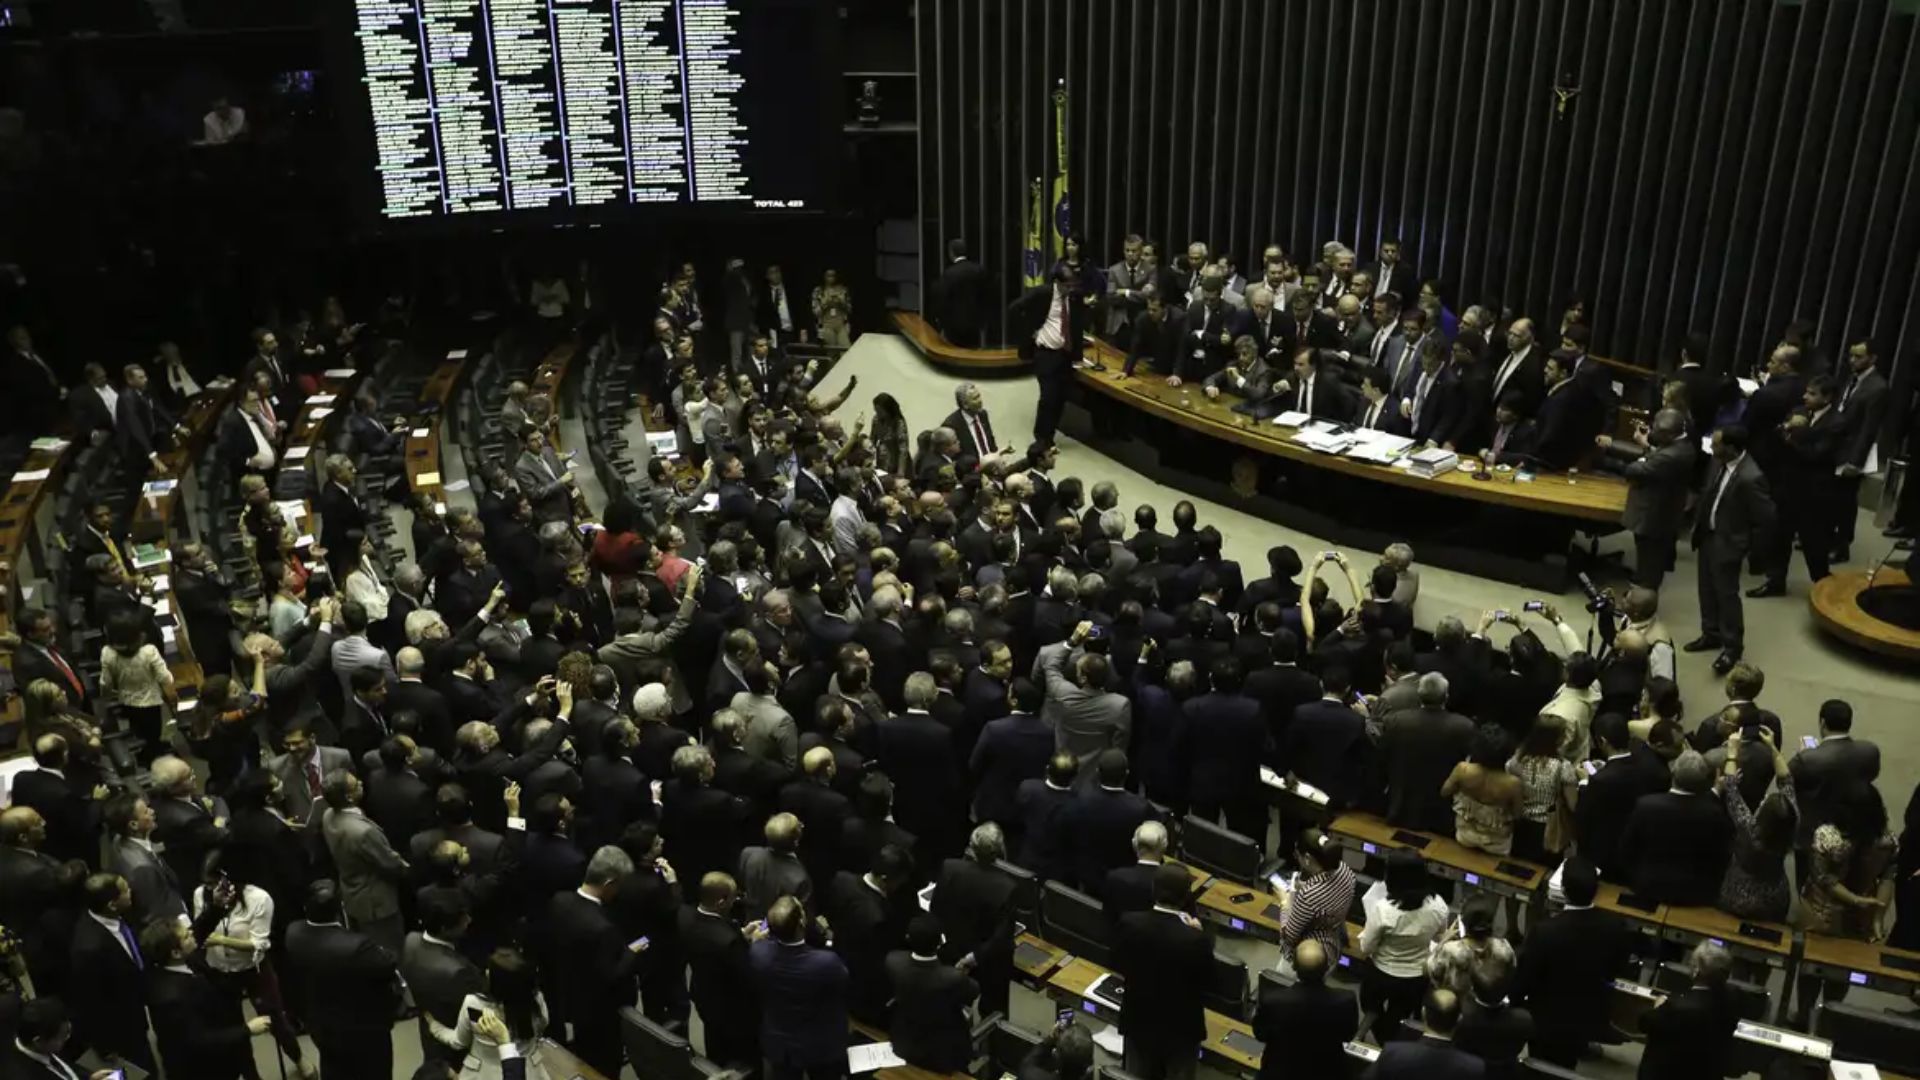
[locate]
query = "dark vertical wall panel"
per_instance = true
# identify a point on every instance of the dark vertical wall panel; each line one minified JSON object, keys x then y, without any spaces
{"x":1723,"y":167}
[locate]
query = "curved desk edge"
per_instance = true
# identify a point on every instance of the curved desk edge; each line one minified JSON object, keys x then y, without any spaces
{"x":937,"y":349}
{"x":1835,"y":601}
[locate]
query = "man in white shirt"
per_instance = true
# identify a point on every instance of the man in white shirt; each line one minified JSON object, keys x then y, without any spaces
{"x":1049,"y":322}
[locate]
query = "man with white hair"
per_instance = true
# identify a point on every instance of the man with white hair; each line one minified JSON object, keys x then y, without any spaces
{"x":1130,"y":888}
{"x":973,"y":902}
{"x":596,"y":964}
{"x":971,"y":424}
{"x":186,"y":825}
{"x":1418,"y":749}
{"x":919,"y":756}
{"x":1677,"y":842}
{"x":885,"y":639}
{"x":1690,"y":1034}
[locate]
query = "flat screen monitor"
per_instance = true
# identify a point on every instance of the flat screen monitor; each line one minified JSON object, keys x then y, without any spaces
{"x":547,"y":111}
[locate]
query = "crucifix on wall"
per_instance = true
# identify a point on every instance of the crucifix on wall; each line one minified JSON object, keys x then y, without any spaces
{"x":1564,"y":92}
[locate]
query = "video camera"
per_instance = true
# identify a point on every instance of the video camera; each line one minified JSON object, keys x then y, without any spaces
{"x":1606,"y":614}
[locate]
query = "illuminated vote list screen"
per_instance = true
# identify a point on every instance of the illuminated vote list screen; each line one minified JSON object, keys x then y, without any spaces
{"x":485,"y":108}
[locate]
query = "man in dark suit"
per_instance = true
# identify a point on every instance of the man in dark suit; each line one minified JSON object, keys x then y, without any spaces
{"x":31,"y":895}
{"x":1010,"y":751}
{"x":1611,"y":792}
{"x":437,"y":973}
{"x":1863,"y":405}
{"x":411,"y":694}
{"x":971,"y":425}
{"x":1515,"y":436}
{"x":1567,"y":967}
{"x":1042,"y":806}
{"x":1690,"y":1034}
{"x":106,"y":963}
{"x":1418,"y":749}
{"x":1659,"y":476}
{"x":1811,"y":442}
{"x":1326,"y":743}
{"x":70,"y":821}
{"x":95,"y":405}
{"x":1429,"y":404}
{"x":1708,"y":391}
{"x":1780,"y":393}
{"x":1677,"y":842}
{"x":38,"y":657}
{"x":1309,"y":389}
{"x":721,"y":983}
{"x":1432,"y":1056}
{"x":340,"y":508}
{"x":1492,"y":1027}
{"x":959,"y":296}
{"x":351,"y":990}
{"x":802,"y":988}
{"x":1306,"y":326}
{"x":143,"y":426}
{"x":704,"y":826}
{"x":1561,"y":437}
{"x":201,"y":1030}
{"x":398,"y":799}
{"x":1206,"y":331}
{"x":185,"y":828}
{"x":919,"y":756}
{"x":1377,"y":408}
{"x":1226,"y":742}
{"x":1820,"y":772}
{"x":1098,"y":827}
{"x":1049,"y":326}
{"x":1130,"y":888}
{"x":1306,"y":1025}
{"x":1736,"y":512}
{"x":1391,"y":275}
{"x":35,"y":1051}
{"x":932,"y":1000}
{"x":973,"y":903}
{"x":1522,"y":370}
{"x":868,"y":915}
{"x":1167,"y":962}
{"x":594,"y":965}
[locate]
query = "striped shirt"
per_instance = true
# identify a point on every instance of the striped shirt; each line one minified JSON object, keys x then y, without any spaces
{"x":1318,"y":910}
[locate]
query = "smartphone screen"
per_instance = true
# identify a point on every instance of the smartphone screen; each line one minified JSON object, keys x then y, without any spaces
{"x":1809,"y":742}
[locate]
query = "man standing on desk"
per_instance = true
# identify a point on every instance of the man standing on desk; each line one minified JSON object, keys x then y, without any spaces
{"x":1050,"y":323}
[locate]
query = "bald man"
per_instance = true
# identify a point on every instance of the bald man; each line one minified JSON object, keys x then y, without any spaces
{"x":1310,"y":1019}
{"x":188,"y":825}
{"x":1659,"y":469}
{"x":773,"y":869}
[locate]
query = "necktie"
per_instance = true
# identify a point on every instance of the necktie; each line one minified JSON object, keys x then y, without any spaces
{"x":73,"y":679}
{"x":113,"y":549}
{"x":1305,"y":388}
{"x":1499,"y":439}
{"x":1852,"y":384}
{"x":1720,"y":492}
{"x":980,"y":437}
{"x":1420,"y":396}
{"x":133,"y":945}
{"x":266,"y":409}
{"x":313,"y":778}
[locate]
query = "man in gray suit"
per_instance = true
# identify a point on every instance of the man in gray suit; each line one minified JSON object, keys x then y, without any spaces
{"x":1085,"y":716}
{"x":1127,"y":281}
{"x":774,"y":870}
{"x":437,"y":973}
{"x":1824,"y":768}
{"x":289,"y":690}
{"x":1735,"y":513}
{"x":157,"y":894}
{"x":303,"y":770}
{"x":353,"y":651}
{"x":370,"y":871}
{"x":772,"y":734}
{"x":1659,"y":472}
{"x":1863,"y":406}
{"x":545,"y":479}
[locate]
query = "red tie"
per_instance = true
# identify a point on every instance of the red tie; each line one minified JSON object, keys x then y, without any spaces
{"x":72,"y":679}
{"x":313,"y":778}
{"x":266,"y":409}
{"x":980,"y":438}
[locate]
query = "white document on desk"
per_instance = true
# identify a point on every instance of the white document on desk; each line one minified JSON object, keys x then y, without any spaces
{"x":1110,"y":1040}
{"x":873,"y":1057}
{"x":1292,"y":418}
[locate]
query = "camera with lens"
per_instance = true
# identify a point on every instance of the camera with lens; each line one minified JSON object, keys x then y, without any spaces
{"x":1601,"y":605}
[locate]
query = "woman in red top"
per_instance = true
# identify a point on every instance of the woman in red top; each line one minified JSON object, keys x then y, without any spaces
{"x":619,"y":549}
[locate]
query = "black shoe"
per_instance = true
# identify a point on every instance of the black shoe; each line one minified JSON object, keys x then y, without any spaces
{"x":1771,"y":588}
{"x":1703,"y":643}
{"x":1724,"y":663}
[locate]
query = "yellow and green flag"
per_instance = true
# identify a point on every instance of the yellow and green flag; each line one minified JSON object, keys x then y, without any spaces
{"x":1033,"y":271}
{"x":1062,"y":209}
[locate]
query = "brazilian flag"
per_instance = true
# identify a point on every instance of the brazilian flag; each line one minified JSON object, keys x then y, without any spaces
{"x":1062,"y":208}
{"x":1033,"y":271}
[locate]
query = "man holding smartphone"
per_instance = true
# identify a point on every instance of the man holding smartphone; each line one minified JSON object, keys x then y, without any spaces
{"x":35,"y":1049}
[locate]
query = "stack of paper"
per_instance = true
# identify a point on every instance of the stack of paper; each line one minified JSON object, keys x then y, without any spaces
{"x":457,"y":354}
{"x":50,"y":444}
{"x":322,"y":414}
{"x":27,"y":476}
{"x":427,"y":479}
{"x":340,"y":373}
{"x":1433,"y":462}
{"x":145,"y":555}
{"x":421,"y":432}
{"x":292,"y":509}
{"x":872,"y":1057}
{"x":1378,"y":447}
{"x":321,"y":399}
{"x":1290,"y":418}
{"x":1318,"y":437}
{"x":298,"y":453}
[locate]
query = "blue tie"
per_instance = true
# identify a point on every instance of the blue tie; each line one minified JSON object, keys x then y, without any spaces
{"x":133,"y":945}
